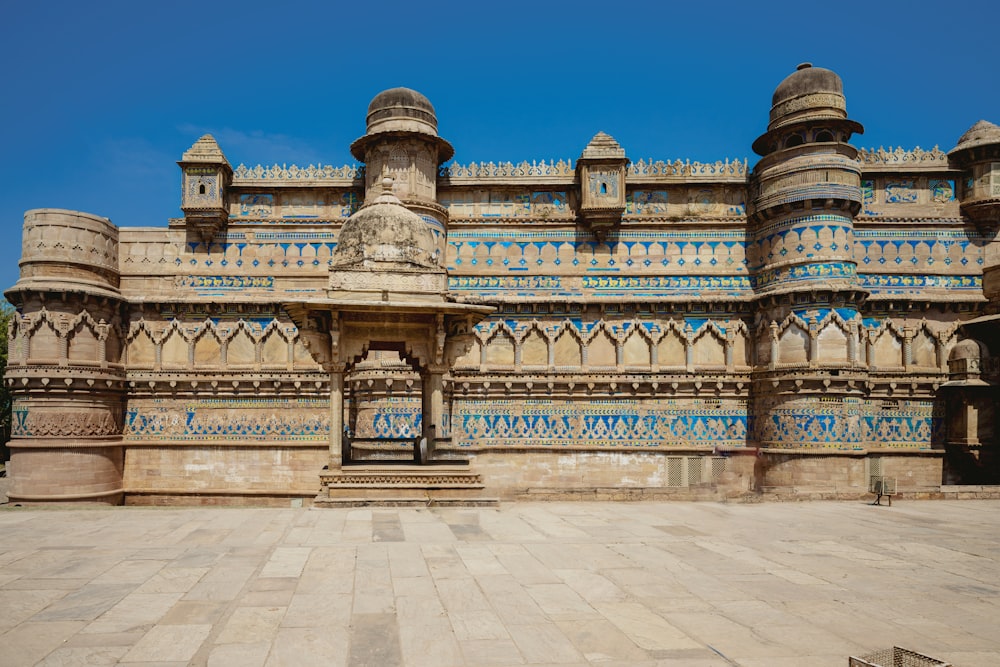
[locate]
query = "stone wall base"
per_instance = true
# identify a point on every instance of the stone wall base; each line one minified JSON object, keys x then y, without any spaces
{"x":595,"y":475}
{"x":223,"y":474}
{"x":287,"y":474}
{"x":811,"y":475}
{"x":65,"y":472}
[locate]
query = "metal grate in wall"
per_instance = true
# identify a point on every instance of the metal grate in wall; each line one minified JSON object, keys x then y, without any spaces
{"x":683,"y":471}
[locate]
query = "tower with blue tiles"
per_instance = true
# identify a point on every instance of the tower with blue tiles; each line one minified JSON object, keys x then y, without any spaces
{"x":809,"y":371}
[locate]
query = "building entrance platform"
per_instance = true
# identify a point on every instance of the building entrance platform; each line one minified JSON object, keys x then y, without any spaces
{"x":638,"y":584}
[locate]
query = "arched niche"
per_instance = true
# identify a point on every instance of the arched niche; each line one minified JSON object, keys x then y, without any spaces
{"x":601,"y":351}
{"x":709,"y":348}
{"x":534,"y":349}
{"x":174,"y":352}
{"x":888,"y":349}
{"x":741,"y":350}
{"x":923,"y":349}
{"x":671,"y":350}
{"x":83,"y":344}
{"x":635,"y":350}
{"x":831,"y":344}
{"x":568,"y":351}
{"x":793,"y":345}
{"x":274,"y":349}
{"x":141,"y":351}
{"x":207,"y":350}
{"x":500,"y":348}
{"x":241,"y":350}
{"x":44,"y":345}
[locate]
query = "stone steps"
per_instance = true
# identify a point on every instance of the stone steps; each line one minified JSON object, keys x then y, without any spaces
{"x":403,"y":485}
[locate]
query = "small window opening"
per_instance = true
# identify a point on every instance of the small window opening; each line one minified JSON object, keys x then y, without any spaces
{"x":825,"y":135}
{"x":604,"y":188}
{"x":201,"y":189}
{"x":794,"y":140}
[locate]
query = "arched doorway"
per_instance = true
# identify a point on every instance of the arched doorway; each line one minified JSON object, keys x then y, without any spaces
{"x":383,"y":407}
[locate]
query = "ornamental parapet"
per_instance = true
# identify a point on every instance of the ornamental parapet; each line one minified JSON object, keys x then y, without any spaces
{"x":562,"y":169}
{"x":727,"y":169}
{"x":642,"y":171}
{"x":895,"y":159}
{"x":276,"y":174}
{"x":347,"y":175}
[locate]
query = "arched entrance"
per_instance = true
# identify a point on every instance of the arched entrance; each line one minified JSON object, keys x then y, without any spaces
{"x":387,"y":293}
{"x":384,"y":419}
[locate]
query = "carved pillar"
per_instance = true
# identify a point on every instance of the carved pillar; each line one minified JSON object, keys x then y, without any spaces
{"x":852,"y":342}
{"x":62,"y":330}
{"x":774,"y":346}
{"x":730,"y":343}
{"x":433,"y":400}
{"x":337,"y":441}
{"x":907,"y":347}
{"x":813,"y":344}
{"x":689,"y":348}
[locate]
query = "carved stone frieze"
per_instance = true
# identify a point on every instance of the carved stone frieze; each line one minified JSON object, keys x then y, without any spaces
{"x":36,"y":423}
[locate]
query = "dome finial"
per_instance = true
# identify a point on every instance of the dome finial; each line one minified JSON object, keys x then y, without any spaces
{"x":387,"y":180}
{"x":806,"y":65}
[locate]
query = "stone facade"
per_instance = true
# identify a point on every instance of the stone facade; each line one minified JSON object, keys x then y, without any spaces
{"x":618,"y":328}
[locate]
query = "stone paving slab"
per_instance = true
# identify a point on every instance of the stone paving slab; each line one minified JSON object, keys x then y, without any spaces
{"x":638,"y":584}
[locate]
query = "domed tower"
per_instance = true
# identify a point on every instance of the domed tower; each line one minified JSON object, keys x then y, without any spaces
{"x":402,"y":142}
{"x":804,"y":194}
{"x":978,"y":155}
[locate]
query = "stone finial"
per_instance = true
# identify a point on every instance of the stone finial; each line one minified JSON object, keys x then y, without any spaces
{"x":603,"y":146}
{"x":205,"y":149}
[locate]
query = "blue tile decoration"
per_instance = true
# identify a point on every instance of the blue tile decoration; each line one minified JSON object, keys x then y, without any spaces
{"x":646,"y":202}
{"x":793,"y":274}
{"x":612,"y":424}
{"x":854,"y":425}
{"x":901,"y":192}
{"x":942,"y":190}
{"x":884,"y":283}
{"x":256,"y":420}
{"x":226,"y":282}
{"x":257,"y":205}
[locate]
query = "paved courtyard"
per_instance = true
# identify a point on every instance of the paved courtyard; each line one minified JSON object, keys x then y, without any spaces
{"x":699,"y":584}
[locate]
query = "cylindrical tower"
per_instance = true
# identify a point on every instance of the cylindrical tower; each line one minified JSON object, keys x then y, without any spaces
{"x":978,"y":155}
{"x":64,"y":364}
{"x":402,"y":142}
{"x":804,"y":195}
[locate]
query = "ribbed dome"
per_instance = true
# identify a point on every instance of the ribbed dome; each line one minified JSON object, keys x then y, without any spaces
{"x":809,"y":92}
{"x":385,"y":234}
{"x":400,"y":111}
{"x":980,"y":134}
{"x":401,"y":108}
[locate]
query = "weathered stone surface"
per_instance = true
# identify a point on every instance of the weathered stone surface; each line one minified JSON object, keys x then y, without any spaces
{"x":605,"y":329}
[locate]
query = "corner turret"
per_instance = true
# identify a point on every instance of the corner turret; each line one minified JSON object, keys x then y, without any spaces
{"x":206,"y":177}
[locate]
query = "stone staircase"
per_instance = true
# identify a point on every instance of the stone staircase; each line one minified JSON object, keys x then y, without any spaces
{"x":403,"y":485}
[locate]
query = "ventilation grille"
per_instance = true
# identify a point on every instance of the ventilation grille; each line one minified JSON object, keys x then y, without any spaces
{"x":683,"y":471}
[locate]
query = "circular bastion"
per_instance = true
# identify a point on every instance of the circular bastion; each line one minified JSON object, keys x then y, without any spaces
{"x":63,"y":248}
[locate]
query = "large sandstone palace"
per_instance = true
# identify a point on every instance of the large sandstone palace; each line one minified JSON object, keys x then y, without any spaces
{"x":419,"y":330}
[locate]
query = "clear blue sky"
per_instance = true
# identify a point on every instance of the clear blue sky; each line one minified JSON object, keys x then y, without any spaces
{"x":100,"y":99}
